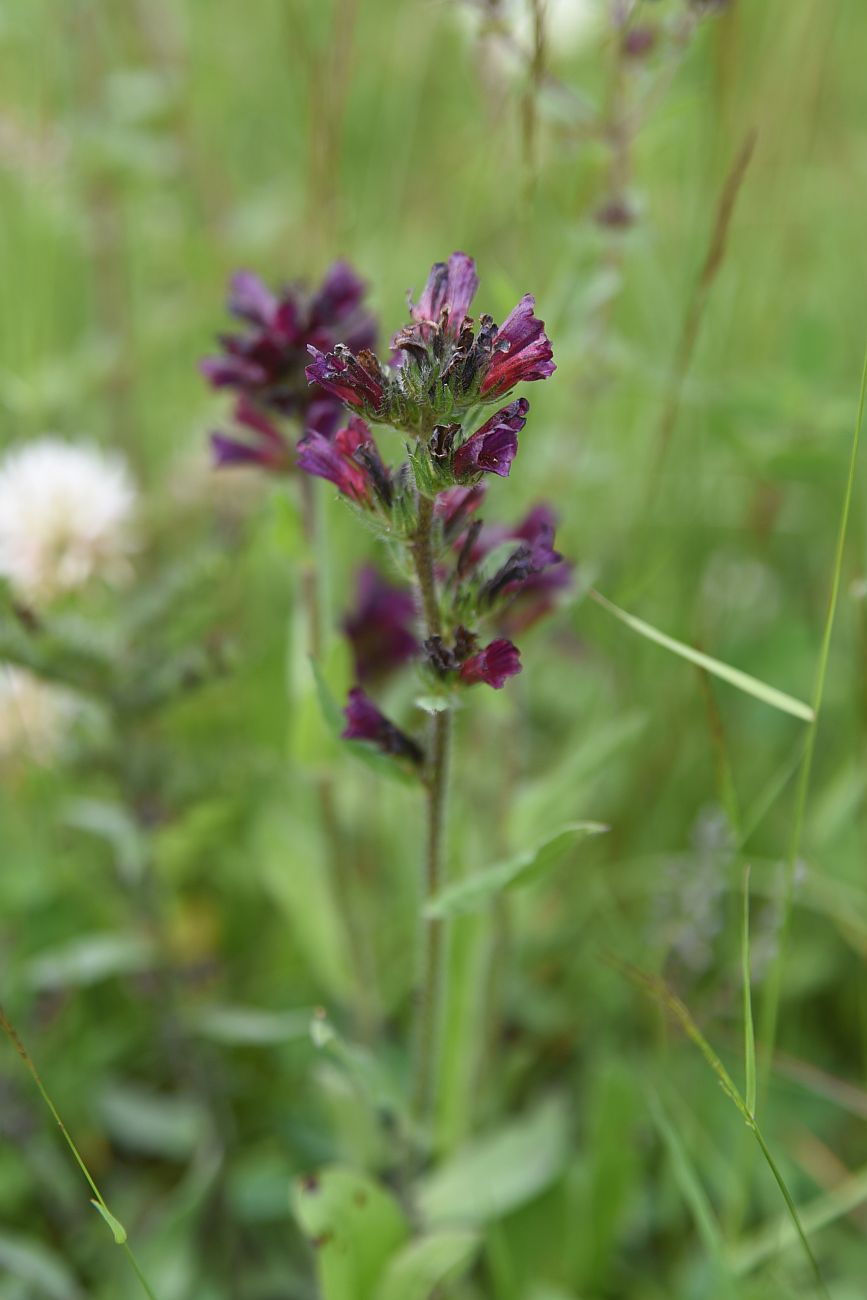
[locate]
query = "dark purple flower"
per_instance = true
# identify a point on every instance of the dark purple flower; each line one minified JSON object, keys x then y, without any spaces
{"x":350,"y":460}
{"x":527,"y":354}
{"x":494,"y":665}
{"x":266,"y":361}
{"x":365,"y":722}
{"x":263,"y":445}
{"x":356,"y":380}
{"x":454,"y":506}
{"x":528,"y":583}
{"x":336,"y":311}
{"x":447,"y":296}
{"x":639,"y":40}
{"x":493,"y":447}
{"x":616,"y":214}
{"x":380,"y":628}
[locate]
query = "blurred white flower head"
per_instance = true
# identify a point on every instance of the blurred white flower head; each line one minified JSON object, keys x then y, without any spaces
{"x":34,"y":716}
{"x":568,"y":24}
{"x":65,"y":517}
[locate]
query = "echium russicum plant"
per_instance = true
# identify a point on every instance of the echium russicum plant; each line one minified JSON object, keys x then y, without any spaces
{"x":448,"y":389}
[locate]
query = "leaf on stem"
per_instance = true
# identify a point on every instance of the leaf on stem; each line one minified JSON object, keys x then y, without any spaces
{"x":477,"y":890}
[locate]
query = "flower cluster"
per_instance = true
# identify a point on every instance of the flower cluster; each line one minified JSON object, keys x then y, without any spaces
{"x":444,"y":368}
{"x":482,"y":581}
{"x":264,"y":362}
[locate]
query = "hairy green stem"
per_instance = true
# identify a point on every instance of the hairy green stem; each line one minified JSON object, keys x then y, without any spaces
{"x":436,"y":786}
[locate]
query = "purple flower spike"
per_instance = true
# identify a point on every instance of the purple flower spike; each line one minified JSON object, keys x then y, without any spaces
{"x":494,"y":665}
{"x":250,"y":299}
{"x":528,"y":355}
{"x":357,"y":381}
{"x":365,"y":722}
{"x":267,"y":447}
{"x":450,"y":289}
{"x":380,"y":628}
{"x":266,"y":359}
{"x":493,"y":447}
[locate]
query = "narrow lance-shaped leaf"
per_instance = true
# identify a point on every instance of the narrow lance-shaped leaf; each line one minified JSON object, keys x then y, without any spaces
{"x":734,"y":676}
{"x":477,"y":890}
{"x":424,"y":1264}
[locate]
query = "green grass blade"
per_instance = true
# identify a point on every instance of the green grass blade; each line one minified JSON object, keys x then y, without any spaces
{"x":749,"y":1032}
{"x":820,"y":1213}
{"x":117,"y":1228}
{"x":792,"y":1208}
{"x":691,"y":1188}
{"x":734,"y":676}
{"x":658,"y":989}
{"x":771,"y":1004}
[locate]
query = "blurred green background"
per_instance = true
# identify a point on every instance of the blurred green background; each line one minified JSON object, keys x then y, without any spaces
{"x":166,"y":920}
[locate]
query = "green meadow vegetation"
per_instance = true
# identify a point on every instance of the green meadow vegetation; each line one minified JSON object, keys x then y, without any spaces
{"x":650,"y":1077}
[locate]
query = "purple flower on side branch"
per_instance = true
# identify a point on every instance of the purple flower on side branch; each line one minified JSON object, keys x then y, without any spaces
{"x":357,"y":381}
{"x":350,"y":460}
{"x":493,"y":447}
{"x":262,"y":443}
{"x":494,"y":665}
{"x":365,"y":722}
{"x":522,"y":351}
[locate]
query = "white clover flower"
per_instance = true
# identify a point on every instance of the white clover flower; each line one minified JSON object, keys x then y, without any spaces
{"x":34,"y":715}
{"x":569,"y":24}
{"x":65,"y":518}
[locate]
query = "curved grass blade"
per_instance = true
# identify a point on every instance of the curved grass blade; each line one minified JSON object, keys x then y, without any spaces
{"x":117,"y":1228}
{"x":734,"y":676}
{"x":657,"y":988}
{"x":749,"y":1032}
{"x":771,"y":1000}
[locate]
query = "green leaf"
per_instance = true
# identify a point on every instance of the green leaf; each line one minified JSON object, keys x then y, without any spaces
{"x":33,"y":1264}
{"x":426,"y":1263}
{"x":743,"y":681}
{"x":152,"y":1123}
{"x":88,"y":960}
{"x":496,"y":1173}
{"x":117,"y":1228}
{"x":237,"y":1026}
{"x":475,"y":891}
{"x":354,"y":1226}
{"x":111,"y":822}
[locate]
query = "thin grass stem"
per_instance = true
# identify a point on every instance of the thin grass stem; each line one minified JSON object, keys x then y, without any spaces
{"x":113,"y":1222}
{"x":771,"y":1004}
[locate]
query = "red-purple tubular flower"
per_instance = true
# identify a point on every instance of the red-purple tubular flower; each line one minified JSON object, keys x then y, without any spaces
{"x":446,"y":299}
{"x":350,"y":460}
{"x":493,"y":447}
{"x":454,"y":506}
{"x":494,"y":665}
{"x":266,"y":362}
{"x":263,"y":444}
{"x":527,"y":356}
{"x":355,"y":380}
{"x":365,"y":722}
{"x":380,"y":628}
